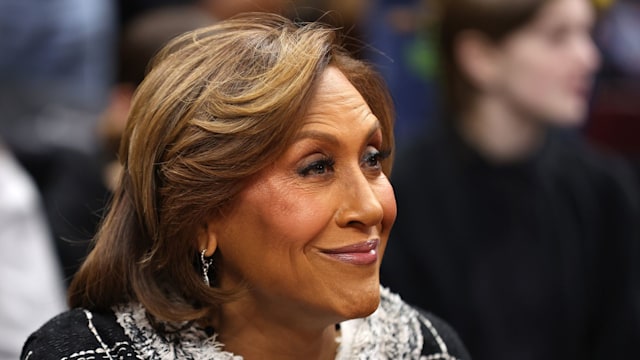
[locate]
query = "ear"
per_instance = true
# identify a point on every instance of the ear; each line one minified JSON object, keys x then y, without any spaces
{"x":207,"y":238}
{"x":478,"y":59}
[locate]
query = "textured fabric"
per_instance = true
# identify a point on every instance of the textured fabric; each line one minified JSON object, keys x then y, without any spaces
{"x":79,"y":335}
{"x":394,"y":331}
{"x":528,"y":260}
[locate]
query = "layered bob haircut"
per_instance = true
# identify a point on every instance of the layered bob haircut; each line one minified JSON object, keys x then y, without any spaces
{"x":218,"y":105}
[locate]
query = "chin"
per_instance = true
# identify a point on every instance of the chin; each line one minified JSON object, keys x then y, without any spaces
{"x":362,"y":303}
{"x":571,"y":114}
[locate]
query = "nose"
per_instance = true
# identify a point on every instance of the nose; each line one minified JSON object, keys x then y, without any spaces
{"x":360,"y":204}
{"x":588,"y":54}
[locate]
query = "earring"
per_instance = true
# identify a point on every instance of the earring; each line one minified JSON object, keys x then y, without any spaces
{"x":206,"y":263}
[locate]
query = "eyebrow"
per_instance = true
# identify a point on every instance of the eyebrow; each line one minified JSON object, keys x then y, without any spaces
{"x":330,"y":138}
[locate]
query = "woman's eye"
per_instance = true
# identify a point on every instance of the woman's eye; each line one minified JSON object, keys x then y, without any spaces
{"x":318,"y":167}
{"x":374,"y":158}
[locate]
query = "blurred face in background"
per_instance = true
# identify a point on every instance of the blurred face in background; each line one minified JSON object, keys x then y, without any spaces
{"x":546,"y":68}
{"x":224,"y":9}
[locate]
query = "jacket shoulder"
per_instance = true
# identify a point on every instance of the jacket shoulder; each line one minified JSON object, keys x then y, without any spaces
{"x":79,"y":334}
{"x":440,"y":337}
{"x":424,"y":332}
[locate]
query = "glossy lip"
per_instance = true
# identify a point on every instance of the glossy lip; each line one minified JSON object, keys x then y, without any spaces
{"x":364,"y":253}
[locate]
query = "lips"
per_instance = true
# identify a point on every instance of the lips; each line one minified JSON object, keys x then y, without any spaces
{"x":364,"y":253}
{"x":582,"y":87}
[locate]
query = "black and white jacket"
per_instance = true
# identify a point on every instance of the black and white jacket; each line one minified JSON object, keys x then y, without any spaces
{"x":394,"y":331}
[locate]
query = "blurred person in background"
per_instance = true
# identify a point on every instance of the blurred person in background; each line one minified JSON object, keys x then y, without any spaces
{"x":510,"y":226}
{"x":56,"y":67}
{"x":31,"y":286}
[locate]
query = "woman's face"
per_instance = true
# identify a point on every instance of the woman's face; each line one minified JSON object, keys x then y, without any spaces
{"x":546,"y":68}
{"x":308,"y":233}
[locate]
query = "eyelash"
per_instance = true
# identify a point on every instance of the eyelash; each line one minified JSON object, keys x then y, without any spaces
{"x":319,"y":167}
{"x":377,"y":156}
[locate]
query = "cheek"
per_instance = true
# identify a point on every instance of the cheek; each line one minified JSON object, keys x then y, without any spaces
{"x":387,"y":199}
{"x":531,"y":78}
{"x":534,"y":82}
{"x":270,"y":232}
{"x":528,"y":67}
{"x":298,"y":218}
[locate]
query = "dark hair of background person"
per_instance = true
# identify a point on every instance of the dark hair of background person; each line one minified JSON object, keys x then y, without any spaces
{"x":216,"y":108}
{"x":493,"y":19}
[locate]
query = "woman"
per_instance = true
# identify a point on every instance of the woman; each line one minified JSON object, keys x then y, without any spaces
{"x":252,"y":212}
{"x":523,"y":238}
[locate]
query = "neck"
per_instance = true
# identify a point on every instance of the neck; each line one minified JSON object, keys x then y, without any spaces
{"x":261,"y":334}
{"x":500,"y":133}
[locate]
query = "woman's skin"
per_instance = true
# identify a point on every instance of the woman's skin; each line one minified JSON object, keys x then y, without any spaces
{"x":538,"y":76}
{"x":307,"y":234}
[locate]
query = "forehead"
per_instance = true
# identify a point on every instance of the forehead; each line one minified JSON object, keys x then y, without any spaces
{"x":335,"y":95}
{"x":565,"y":11}
{"x":334,"y":85}
{"x":337,"y":112}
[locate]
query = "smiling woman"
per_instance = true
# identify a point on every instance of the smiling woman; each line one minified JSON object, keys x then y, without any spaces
{"x":252,"y":213}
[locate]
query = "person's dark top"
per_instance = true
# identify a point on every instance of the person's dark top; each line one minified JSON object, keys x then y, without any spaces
{"x":74,"y":197}
{"x":534,"y":260}
{"x":394,"y":331}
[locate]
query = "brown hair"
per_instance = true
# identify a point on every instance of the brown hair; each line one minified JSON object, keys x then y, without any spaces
{"x":494,"y":19}
{"x":219,"y":104}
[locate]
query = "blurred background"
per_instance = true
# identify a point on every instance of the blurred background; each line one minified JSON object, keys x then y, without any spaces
{"x":68,"y":69}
